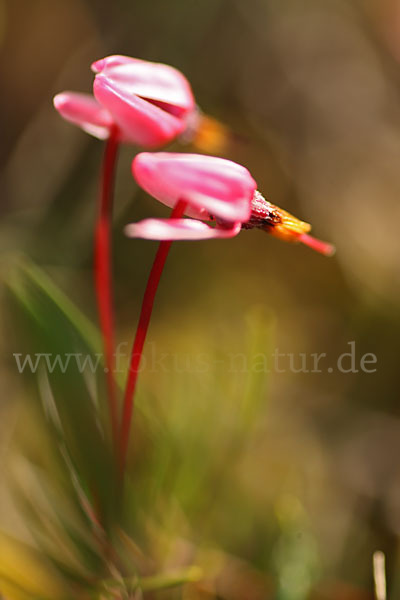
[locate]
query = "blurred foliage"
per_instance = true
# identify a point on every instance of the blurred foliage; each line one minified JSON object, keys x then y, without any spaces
{"x":242,"y":484}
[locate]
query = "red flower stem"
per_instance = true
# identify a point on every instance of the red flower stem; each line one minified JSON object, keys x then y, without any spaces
{"x":103,"y":272}
{"x":140,"y":337}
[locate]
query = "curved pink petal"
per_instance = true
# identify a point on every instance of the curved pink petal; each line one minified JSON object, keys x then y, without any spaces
{"x":115,"y":60}
{"x":140,"y":122}
{"x":156,"y":82}
{"x":210,"y":185}
{"x":179,"y":229}
{"x":84,"y":110}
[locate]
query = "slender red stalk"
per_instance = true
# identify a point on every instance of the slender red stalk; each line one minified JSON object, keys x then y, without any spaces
{"x":140,"y":337}
{"x":103,"y":272}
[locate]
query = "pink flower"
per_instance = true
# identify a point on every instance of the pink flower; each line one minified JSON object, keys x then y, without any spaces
{"x":148,"y":103}
{"x":215,"y":190}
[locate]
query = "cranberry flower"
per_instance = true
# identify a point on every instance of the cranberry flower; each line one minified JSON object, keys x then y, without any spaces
{"x":215,"y":190}
{"x":138,"y":102}
{"x":212,"y":188}
{"x":203,"y":188}
{"x":149,"y":104}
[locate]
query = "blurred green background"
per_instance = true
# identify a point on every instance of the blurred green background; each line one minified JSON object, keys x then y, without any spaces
{"x":278,"y":484}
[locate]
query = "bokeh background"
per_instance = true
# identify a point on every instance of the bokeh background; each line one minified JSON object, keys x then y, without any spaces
{"x":280,"y":484}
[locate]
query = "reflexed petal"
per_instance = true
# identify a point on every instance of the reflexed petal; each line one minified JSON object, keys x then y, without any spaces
{"x":178,"y":229}
{"x":140,"y":122}
{"x":221,"y":187}
{"x":108,"y":62}
{"x":151,"y":81}
{"x":84,"y":110}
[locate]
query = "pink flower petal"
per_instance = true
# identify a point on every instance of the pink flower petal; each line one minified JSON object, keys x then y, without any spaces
{"x":151,"y":81}
{"x":178,"y":229}
{"x":84,"y":110}
{"x":116,"y":60}
{"x":210,"y":185}
{"x":140,"y":122}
